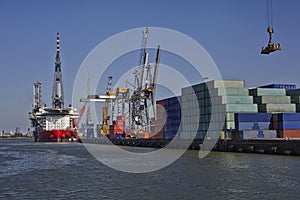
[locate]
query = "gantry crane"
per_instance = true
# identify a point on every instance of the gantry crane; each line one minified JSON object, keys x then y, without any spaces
{"x":271,"y":47}
{"x":142,"y":97}
{"x":138,"y":100}
{"x":105,"y":115}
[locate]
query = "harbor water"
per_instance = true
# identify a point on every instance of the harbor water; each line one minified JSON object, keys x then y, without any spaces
{"x":31,"y":170}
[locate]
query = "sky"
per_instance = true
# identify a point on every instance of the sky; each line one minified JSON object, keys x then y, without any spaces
{"x":232,"y":32}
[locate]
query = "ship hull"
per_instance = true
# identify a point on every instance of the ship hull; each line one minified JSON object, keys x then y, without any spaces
{"x":57,"y":136}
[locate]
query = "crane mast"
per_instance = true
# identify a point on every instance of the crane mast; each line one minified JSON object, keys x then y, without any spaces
{"x":142,"y":97}
{"x":57,"y":92}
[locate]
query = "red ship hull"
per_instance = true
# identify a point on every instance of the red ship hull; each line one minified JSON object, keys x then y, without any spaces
{"x":57,"y":136}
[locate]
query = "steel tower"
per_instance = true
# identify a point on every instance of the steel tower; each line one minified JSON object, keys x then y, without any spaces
{"x":57,"y":92}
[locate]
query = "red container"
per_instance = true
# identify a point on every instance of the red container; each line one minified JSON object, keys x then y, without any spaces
{"x":289,"y":133}
{"x":157,"y":135}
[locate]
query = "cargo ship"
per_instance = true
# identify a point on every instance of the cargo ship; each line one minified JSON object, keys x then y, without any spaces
{"x":55,"y":123}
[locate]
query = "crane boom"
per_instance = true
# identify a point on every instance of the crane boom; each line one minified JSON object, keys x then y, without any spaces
{"x":156,"y":71}
{"x":144,"y":45}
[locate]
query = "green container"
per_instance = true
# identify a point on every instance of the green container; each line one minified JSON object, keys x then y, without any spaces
{"x":274,"y":108}
{"x":232,"y":100}
{"x":229,"y":92}
{"x":267,"y":92}
{"x":239,"y":108}
{"x":272,"y":99}
{"x":225,"y":84}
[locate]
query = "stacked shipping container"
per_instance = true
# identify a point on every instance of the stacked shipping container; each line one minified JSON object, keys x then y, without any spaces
{"x":168,"y":113}
{"x":207,"y":105}
{"x":204,"y":106}
{"x":190,"y":111}
{"x":272,"y":100}
{"x":295,"y":97}
{"x":254,"y":125}
{"x":117,"y":129}
{"x":287,"y":124}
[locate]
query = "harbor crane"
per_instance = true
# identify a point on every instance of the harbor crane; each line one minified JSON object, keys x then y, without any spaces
{"x":105,"y":115}
{"x":138,"y":99}
{"x":143,"y":92}
{"x":271,"y":47}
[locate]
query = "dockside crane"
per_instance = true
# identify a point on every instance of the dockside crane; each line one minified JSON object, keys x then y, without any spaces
{"x":105,"y":115}
{"x":142,"y":94}
{"x":135,"y":100}
{"x":271,"y":47}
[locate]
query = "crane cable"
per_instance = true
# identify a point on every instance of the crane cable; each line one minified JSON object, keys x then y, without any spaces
{"x":269,"y":13}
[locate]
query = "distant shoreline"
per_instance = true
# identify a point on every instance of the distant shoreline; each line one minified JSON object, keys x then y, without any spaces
{"x":16,"y":138}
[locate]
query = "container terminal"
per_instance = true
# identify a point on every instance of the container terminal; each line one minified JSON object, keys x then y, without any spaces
{"x":268,"y":115}
{"x":252,"y":119}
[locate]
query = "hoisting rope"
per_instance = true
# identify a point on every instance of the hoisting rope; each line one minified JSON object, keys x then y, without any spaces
{"x":269,"y":13}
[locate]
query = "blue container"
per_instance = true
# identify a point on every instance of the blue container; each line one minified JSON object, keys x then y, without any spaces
{"x":169,"y":135}
{"x":253,"y":126}
{"x":289,"y":125}
{"x":252,"y":117}
{"x":285,"y":86}
{"x":119,"y":136}
{"x":286,"y":117}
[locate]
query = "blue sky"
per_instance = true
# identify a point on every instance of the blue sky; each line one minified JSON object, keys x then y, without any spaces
{"x":232,"y":31}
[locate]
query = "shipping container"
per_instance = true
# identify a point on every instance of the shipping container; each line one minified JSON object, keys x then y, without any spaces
{"x":267,"y":92}
{"x":228,"y":92}
{"x":225,"y":84}
{"x":230,"y":116}
{"x":284,"y":86}
{"x":295,"y":92}
{"x":253,"y":117}
{"x":286,"y":117}
{"x":289,"y":133}
{"x":288,"y":125}
{"x":297,"y":107}
{"x":258,"y":134}
{"x":253,"y":126}
{"x":143,"y":135}
{"x":232,"y":100}
{"x":276,"y":107}
{"x":295,"y":99}
{"x":238,"y":108}
{"x":229,"y":125}
{"x":272,"y":99}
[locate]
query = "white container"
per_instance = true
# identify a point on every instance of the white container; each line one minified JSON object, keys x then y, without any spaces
{"x":267,"y":92}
